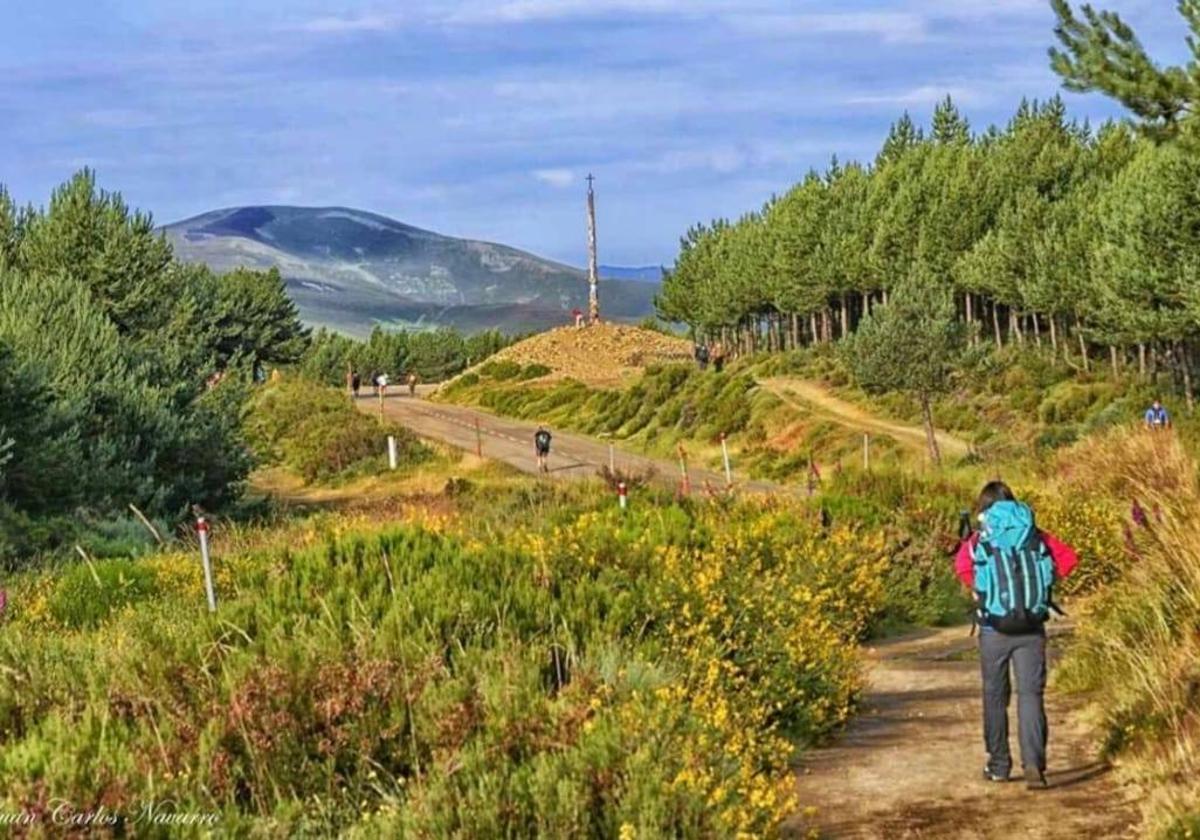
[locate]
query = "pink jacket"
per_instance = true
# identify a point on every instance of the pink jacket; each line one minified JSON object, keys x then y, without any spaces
{"x":1064,"y":557}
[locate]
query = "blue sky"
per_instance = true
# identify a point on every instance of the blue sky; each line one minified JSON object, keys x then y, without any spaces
{"x":480,"y":119}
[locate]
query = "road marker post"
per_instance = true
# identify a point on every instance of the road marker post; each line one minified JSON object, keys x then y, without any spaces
{"x":866,"y":452}
{"x":725,"y":456}
{"x":622,"y":495}
{"x":206,"y":559}
{"x":393,"y":457}
{"x":686,"y":484}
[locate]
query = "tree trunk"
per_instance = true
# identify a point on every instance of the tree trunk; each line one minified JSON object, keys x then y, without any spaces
{"x":816,"y":333}
{"x":1014,"y":327}
{"x":1083,"y":351}
{"x":845,"y":317}
{"x":1116,"y":362}
{"x":866,"y":310}
{"x":996,"y":324}
{"x":1037,"y":329}
{"x":1185,"y":364}
{"x":1142,"y":359}
{"x":826,"y":326}
{"x":930,"y":435}
{"x":1054,"y":335}
{"x":971,"y":322}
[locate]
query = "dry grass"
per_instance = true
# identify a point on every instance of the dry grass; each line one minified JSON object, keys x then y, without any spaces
{"x":1139,"y":643}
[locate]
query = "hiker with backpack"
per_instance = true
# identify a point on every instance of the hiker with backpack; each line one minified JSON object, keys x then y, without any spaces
{"x":1011,"y":567}
{"x":541,"y":445}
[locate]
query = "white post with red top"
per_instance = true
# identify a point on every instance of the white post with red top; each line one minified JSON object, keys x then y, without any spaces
{"x":202,"y":531}
{"x":725,"y":455}
{"x":393,"y":455}
{"x":622,"y":495}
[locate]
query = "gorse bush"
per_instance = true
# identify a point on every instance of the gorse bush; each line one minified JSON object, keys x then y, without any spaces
{"x":580,"y":674}
{"x":315,"y":431}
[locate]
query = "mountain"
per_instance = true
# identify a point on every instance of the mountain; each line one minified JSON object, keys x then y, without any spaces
{"x":349,"y":270}
{"x":640,"y":274}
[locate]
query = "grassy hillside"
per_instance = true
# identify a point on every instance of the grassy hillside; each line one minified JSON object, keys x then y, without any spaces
{"x":1011,"y":411}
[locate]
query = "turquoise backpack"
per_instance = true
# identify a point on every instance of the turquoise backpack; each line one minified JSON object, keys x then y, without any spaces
{"x":1014,"y":573}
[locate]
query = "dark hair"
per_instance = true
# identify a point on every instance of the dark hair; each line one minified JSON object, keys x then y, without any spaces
{"x":994,"y":491}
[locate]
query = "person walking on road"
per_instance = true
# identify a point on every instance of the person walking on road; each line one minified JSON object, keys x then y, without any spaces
{"x":412,"y":383}
{"x":541,"y":446}
{"x":382,"y":382}
{"x":355,"y":383}
{"x":1011,"y":567}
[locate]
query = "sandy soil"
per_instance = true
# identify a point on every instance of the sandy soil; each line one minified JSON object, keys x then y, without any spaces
{"x":815,"y":397}
{"x":909,"y":765}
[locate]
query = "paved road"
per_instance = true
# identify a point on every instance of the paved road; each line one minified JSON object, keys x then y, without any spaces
{"x":511,"y":441}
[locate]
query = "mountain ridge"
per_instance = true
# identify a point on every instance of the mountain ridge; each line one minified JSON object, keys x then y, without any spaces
{"x":350,"y":269}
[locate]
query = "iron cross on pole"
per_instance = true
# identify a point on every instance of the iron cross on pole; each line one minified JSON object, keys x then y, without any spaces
{"x":593,"y":262}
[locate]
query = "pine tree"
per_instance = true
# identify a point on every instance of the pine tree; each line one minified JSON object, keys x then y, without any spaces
{"x":911,"y":345}
{"x":1100,"y":52}
{"x":904,"y":135}
{"x":949,"y":126}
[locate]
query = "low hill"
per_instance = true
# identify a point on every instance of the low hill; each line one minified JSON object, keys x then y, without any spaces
{"x":601,"y":354}
{"x":349,"y":270}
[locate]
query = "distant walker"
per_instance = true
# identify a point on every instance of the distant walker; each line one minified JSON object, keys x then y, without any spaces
{"x":1157,"y":418}
{"x":541,"y":446}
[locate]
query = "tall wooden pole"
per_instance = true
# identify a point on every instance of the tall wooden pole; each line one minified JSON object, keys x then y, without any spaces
{"x":593,"y":260}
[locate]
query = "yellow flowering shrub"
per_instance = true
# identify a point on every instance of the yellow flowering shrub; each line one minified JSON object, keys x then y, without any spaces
{"x":502,"y":667}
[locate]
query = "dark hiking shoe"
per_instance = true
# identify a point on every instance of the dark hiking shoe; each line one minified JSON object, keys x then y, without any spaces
{"x":989,"y":776}
{"x":1035,"y":779}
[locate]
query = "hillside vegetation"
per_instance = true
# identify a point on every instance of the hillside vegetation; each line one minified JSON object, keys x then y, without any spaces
{"x":499,"y":659}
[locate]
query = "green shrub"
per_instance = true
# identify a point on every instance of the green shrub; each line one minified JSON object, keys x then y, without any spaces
{"x":501,"y":370}
{"x":534,"y":371}
{"x":318,"y":433}
{"x":88,"y":592}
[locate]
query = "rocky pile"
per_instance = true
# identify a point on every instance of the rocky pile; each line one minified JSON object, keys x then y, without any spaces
{"x":605,"y":353}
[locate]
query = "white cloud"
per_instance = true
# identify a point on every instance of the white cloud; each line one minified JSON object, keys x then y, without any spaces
{"x":520,"y":11}
{"x":889,"y":27}
{"x":559,"y":178}
{"x":337,"y":25}
{"x":121,"y":118}
{"x":922,"y":95}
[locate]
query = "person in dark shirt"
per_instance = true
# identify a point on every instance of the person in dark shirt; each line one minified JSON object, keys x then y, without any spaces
{"x":541,"y":445}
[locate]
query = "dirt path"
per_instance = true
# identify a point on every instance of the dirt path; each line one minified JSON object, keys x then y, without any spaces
{"x":909,"y":765}
{"x":511,"y":441}
{"x":806,"y":395}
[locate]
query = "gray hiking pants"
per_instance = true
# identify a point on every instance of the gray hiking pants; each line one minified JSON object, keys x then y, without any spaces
{"x":1027,"y":653}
